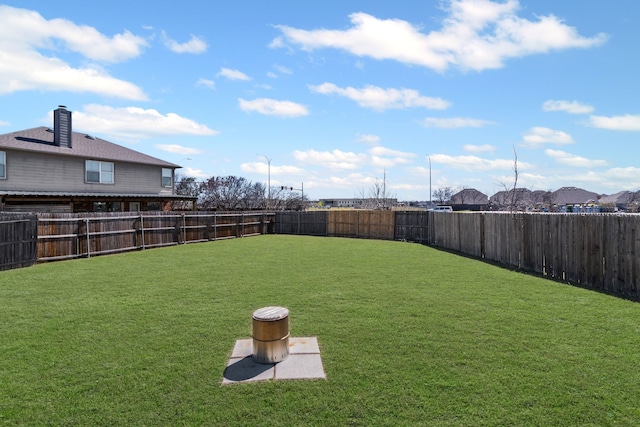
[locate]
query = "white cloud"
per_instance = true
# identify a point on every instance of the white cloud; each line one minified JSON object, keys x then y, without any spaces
{"x":233,"y":74}
{"x":627,"y":122}
{"x":194,"y":45}
{"x":368,"y":139}
{"x":383,"y":99}
{"x":475,"y":163}
{"x":478,"y":148}
{"x":537,"y":136}
{"x":196,"y":173}
{"x":388,"y":158}
{"x":383,"y":151}
{"x":571,"y":107}
{"x":573,"y":160}
{"x":135,"y":123}
{"x":335,"y":159}
{"x":4,"y":123}
{"x":29,"y":46}
{"x":272,"y":107}
{"x":476,"y":35}
{"x":206,"y":83}
{"x":178,"y":149}
{"x":282,"y":69}
{"x":454,"y":122}
{"x":263,"y":168}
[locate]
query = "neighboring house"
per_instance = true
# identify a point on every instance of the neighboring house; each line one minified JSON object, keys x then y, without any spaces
{"x":616,"y":202}
{"x":572,"y":198}
{"x":469,"y":199}
{"x":58,"y":170}
{"x":521,"y":199}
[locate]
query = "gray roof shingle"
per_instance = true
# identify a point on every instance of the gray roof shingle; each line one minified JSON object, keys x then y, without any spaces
{"x":40,"y":139}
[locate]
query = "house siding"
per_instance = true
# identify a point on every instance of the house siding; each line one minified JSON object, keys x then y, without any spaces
{"x":29,"y":171}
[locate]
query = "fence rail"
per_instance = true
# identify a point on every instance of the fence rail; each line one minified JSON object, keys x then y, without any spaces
{"x":65,"y":236}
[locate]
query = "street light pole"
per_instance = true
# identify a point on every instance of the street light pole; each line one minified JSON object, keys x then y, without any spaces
{"x":429,"y":182}
{"x":268,"y":181}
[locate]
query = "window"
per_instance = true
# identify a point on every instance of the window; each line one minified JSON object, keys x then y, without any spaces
{"x":3,"y":165}
{"x":100,"y":172}
{"x":167,"y":177}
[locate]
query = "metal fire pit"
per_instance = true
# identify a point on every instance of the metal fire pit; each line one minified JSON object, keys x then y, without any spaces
{"x":270,"y":334}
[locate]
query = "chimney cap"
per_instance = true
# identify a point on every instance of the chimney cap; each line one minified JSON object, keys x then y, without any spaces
{"x":62,"y":106}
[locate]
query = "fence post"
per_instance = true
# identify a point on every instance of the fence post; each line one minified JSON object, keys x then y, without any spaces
{"x":142,"y":229}
{"x":88,"y":238}
{"x":215,"y":226}
{"x":184,"y":230}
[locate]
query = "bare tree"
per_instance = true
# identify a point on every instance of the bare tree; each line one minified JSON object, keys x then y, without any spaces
{"x":230,"y":193}
{"x":512,"y":205}
{"x":443,"y":194}
{"x":185,"y":186}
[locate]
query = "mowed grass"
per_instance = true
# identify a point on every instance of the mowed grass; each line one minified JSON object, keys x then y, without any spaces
{"x":408,"y":335}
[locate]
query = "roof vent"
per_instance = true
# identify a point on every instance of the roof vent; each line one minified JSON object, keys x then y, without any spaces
{"x":90,"y":137}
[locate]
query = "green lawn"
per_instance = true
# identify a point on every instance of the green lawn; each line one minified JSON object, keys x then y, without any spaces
{"x":408,"y":336}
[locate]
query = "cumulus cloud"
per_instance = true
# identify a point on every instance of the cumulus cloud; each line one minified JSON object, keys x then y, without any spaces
{"x":479,"y":148}
{"x":282,"y":69}
{"x":382,"y":99}
{"x":194,"y":45}
{"x":569,"y":159}
{"x":475,"y":35}
{"x":388,"y":158}
{"x":193,"y":172}
{"x":571,"y":107}
{"x":264,"y":168}
{"x":206,"y":83}
{"x":537,"y":136}
{"x":29,"y":44}
{"x":272,"y":107}
{"x":628,"y":122}
{"x":134,"y":123}
{"x":335,"y":159}
{"x":233,"y":74}
{"x":178,"y":149}
{"x":475,"y":163}
{"x":454,"y":122}
{"x":368,"y":139}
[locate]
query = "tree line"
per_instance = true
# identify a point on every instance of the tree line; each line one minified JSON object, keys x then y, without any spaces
{"x":233,"y":193}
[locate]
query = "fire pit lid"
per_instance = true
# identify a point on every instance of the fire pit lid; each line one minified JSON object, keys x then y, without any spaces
{"x":269,"y":314}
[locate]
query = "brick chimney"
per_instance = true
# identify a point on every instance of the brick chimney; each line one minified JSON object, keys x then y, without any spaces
{"x":62,"y":127}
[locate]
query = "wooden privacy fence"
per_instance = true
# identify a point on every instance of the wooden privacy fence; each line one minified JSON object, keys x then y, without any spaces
{"x":18,"y":240}
{"x":595,"y":251}
{"x":64,"y":236}
{"x":338,"y":223}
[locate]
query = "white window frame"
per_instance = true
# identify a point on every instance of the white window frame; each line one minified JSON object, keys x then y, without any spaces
{"x":105,"y":171}
{"x":165,"y":176}
{"x":3,"y":165}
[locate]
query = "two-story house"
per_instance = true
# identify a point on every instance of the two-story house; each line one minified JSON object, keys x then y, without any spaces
{"x":57,"y":170}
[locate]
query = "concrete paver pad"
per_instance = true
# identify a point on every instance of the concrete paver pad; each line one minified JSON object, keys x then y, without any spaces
{"x":304,"y":362}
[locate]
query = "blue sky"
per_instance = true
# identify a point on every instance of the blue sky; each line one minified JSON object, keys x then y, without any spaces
{"x":339,"y":95}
